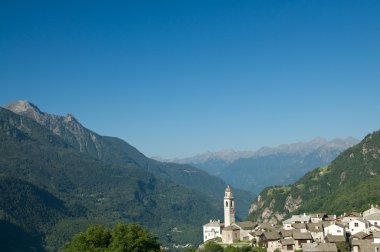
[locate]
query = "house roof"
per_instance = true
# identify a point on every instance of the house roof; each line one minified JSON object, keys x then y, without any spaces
{"x":233,"y":227}
{"x":353,"y":214}
{"x":247,"y":225}
{"x":267,"y":226}
{"x":376,"y":234}
{"x":302,"y":236}
{"x":271,"y":236}
{"x":322,"y":247}
{"x":214,"y":223}
{"x":331,"y":224}
{"x":287,"y":233}
{"x":366,"y":245}
{"x":335,"y":238}
{"x":361,"y":220}
{"x":374,"y":216}
{"x":315,"y":227}
{"x":317,"y":215}
{"x":285,"y":242}
{"x":360,"y":235}
{"x":297,"y":218}
{"x":331,"y":217}
{"x":299,"y":225}
{"x":256,"y":233}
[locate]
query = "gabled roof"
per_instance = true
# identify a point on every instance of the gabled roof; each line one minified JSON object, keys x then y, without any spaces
{"x":353,"y":214}
{"x":322,"y":247}
{"x":302,"y":236}
{"x":267,"y":226}
{"x":297,"y":218}
{"x":287,"y":233}
{"x":366,"y":245}
{"x":285,"y":242}
{"x":256,"y":233}
{"x":359,"y":235}
{"x":374,"y":216}
{"x":317,"y":215}
{"x":299,"y":225}
{"x":331,"y":224}
{"x":271,"y":236}
{"x":247,"y":225}
{"x":233,"y":227}
{"x":361,"y":220}
{"x":335,"y":238}
{"x":315,"y":227}
{"x":214,"y":224}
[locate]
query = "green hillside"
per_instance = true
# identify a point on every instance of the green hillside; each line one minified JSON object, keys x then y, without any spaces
{"x":43,"y":174}
{"x":115,"y":151}
{"x":350,"y":183}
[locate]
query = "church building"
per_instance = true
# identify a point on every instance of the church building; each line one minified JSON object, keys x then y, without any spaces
{"x":230,"y":231}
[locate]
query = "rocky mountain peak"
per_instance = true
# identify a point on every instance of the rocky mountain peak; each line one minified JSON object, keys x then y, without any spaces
{"x":21,"y":106}
{"x":70,"y":118}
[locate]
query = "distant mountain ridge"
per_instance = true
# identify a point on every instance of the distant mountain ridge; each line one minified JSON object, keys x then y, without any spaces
{"x":231,"y":155}
{"x":254,"y":170}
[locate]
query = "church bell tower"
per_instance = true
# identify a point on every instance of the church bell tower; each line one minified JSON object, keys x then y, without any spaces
{"x":229,"y":207}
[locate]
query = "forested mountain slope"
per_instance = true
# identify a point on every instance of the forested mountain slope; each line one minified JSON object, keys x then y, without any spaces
{"x":350,"y":183}
{"x":66,"y":189}
{"x":115,"y":151}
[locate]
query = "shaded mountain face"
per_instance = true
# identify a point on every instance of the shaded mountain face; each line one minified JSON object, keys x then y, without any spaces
{"x":350,"y":183}
{"x":282,"y":165}
{"x":116,"y":151}
{"x":50,"y":191}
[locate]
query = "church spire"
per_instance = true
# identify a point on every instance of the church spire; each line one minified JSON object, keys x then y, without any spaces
{"x":229,"y":207}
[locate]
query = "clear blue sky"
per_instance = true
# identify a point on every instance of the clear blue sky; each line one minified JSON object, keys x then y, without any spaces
{"x":176,"y":78}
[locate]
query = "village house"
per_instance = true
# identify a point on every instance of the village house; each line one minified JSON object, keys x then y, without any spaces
{"x":376,"y":237}
{"x":301,"y":238}
{"x":364,"y":246}
{"x":271,"y":241}
{"x":334,"y":229}
{"x":374,"y":219}
{"x":350,"y":217}
{"x":309,"y":233}
{"x":372,"y":210}
{"x":212,"y":230}
{"x":358,"y":225}
{"x":288,"y":244}
{"x":288,"y":224}
{"x":318,"y":217}
{"x":316,"y":231}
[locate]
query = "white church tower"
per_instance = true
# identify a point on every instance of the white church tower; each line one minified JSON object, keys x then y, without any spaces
{"x":229,"y":207}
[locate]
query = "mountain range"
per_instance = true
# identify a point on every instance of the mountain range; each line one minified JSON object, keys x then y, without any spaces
{"x":58,"y":177}
{"x":351,"y":182}
{"x":282,"y":165}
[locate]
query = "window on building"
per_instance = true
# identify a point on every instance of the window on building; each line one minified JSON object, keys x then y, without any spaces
{"x":226,"y":203}
{"x":356,"y":224}
{"x":339,"y":231}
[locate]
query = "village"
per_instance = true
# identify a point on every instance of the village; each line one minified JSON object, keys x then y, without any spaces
{"x":308,"y":232}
